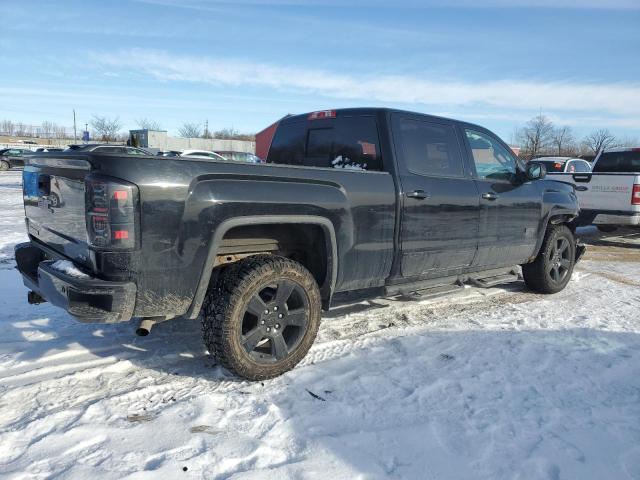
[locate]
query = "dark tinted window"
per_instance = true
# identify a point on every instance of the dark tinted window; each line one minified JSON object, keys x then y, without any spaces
{"x":345,"y":142}
{"x":552,"y":167}
{"x":430,"y":148}
{"x":288,"y":144}
{"x":625,"y":162}
{"x":118,"y":150}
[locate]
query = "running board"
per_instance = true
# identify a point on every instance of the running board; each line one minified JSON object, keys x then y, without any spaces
{"x":493,"y":281}
{"x":435,"y":286}
{"x":427,"y":293}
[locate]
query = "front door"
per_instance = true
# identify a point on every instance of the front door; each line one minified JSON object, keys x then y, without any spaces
{"x":510,"y":208}
{"x":440,"y":201}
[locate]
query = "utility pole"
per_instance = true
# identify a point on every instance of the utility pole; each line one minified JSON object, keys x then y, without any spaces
{"x":75,"y":132}
{"x":206,"y":128}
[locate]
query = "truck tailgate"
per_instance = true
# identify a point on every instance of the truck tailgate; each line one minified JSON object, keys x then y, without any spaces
{"x":602,"y":191}
{"x":54,"y":204}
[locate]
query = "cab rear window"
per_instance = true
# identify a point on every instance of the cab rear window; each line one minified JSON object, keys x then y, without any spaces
{"x":349,"y":143}
{"x":623,"y":162}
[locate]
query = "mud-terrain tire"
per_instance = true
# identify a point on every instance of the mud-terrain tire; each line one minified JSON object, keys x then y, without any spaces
{"x":551,"y":270}
{"x":261,"y":316}
{"x":4,"y":166}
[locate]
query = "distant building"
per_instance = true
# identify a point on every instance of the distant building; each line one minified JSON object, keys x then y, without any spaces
{"x":515,"y":149}
{"x":159,"y":140}
{"x":264,"y":138}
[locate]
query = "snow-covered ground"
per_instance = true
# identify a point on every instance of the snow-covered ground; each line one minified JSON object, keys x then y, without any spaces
{"x":482,"y":384}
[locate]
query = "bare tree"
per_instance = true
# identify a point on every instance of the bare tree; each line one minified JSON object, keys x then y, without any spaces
{"x":148,"y":124}
{"x":106,"y":128}
{"x":562,"y":139}
{"x":190,"y":130}
{"x":536,"y":136}
{"x":599,"y":140}
{"x":47,"y":129}
{"x":60,"y":132}
{"x":232,"y":134}
{"x":7,"y":127}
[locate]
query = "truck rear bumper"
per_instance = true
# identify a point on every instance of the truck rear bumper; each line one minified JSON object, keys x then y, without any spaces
{"x":600,"y":217}
{"x":89,"y":299}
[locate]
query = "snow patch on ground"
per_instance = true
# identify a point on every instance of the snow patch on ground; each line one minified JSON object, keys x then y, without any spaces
{"x":12,"y":226}
{"x":495,"y":383}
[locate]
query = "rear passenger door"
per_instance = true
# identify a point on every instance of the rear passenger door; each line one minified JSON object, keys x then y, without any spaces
{"x":440,"y":201}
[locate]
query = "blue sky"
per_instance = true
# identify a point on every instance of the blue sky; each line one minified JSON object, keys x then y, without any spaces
{"x":245,"y":63}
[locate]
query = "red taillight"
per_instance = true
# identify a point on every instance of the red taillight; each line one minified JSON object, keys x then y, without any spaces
{"x":635,"y":195}
{"x":322,"y":114}
{"x":635,"y":149}
{"x":111,"y":211}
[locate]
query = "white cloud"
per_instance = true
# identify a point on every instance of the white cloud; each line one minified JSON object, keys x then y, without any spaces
{"x":605,"y":100}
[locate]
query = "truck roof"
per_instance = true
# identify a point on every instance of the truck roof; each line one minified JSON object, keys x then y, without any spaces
{"x":369,"y":111}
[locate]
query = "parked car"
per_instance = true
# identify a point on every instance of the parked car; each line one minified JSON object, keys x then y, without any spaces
{"x":564,"y":164}
{"x":240,"y":157}
{"x":352,"y":203}
{"x":202,"y":154}
{"x":12,"y":157}
{"x":106,"y":148}
{"x":168,"y":153}
{"x":610,"y":195}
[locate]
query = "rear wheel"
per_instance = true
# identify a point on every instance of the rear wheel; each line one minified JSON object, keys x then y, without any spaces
{"x":551,"y":270}
{"x":4,"y":165}
{"x":55,"y":200}
{"x":261,"y":316}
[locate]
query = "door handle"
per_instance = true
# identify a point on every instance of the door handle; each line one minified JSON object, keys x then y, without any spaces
{"x":489,"y":196}
{"x":418,"y":194}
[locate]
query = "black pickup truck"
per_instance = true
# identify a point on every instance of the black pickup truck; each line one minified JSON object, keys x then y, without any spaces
{"x":351,"y":203}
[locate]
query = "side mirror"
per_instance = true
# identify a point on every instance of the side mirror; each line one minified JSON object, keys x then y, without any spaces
{"x":535,"y":171}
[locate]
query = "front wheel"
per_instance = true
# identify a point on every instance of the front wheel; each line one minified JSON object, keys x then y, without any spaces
{"x":551,"y":270}
{"x":4,"y":165}
{"x":261,"y":316}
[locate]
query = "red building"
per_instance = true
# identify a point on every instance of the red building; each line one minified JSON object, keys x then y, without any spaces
{"x":263,"y":139}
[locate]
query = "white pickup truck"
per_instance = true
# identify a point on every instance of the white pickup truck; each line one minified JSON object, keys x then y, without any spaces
{"x":609,"y":196}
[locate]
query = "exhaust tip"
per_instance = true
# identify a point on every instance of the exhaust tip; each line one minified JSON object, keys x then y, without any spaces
{"x":145,"y":327}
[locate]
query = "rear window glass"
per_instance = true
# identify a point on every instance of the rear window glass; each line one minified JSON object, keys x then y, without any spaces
{"x":552,"y":167}
{"x":625,"y":162}
{"x":430,"y":148}
{"x":345,"y":142}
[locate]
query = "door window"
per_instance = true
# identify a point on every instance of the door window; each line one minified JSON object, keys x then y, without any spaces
{"x":492,"y":160}
{"x":578,"y":166}
{"x":117,"y":150}
{"x":430,"y":148}
{"x":134,"y":151}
